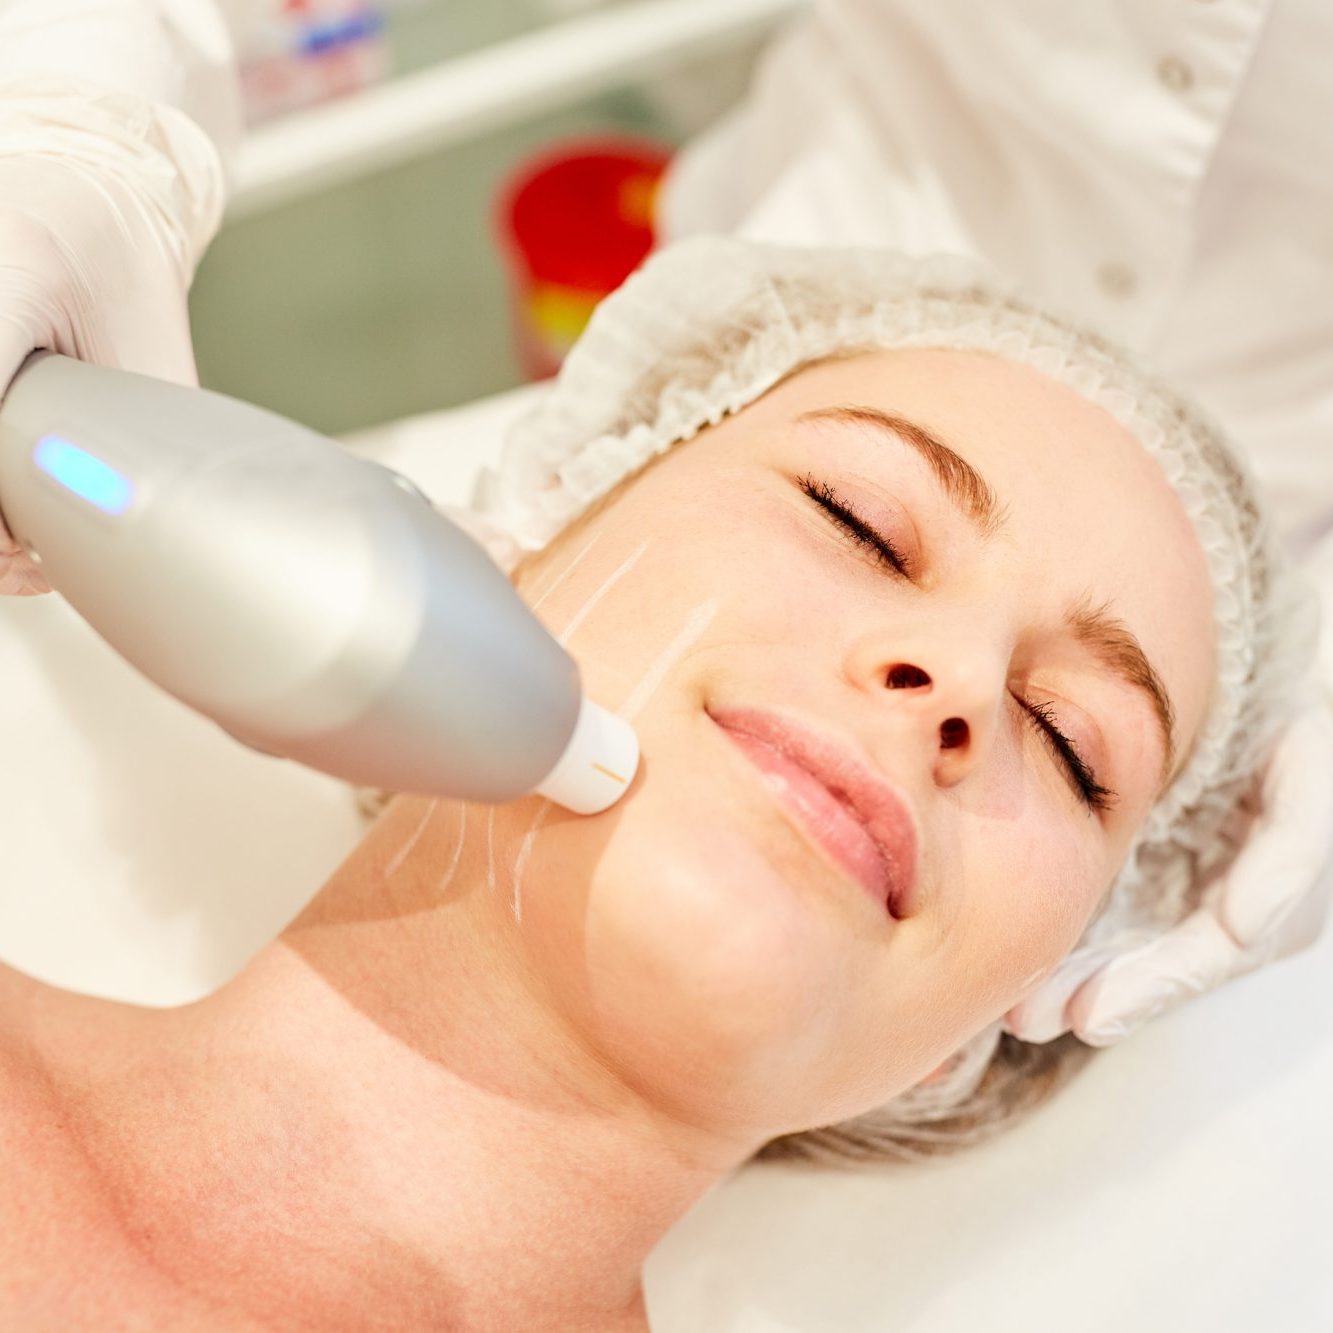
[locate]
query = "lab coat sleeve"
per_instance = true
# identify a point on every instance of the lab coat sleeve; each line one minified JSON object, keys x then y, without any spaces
{"x":150,"y":85}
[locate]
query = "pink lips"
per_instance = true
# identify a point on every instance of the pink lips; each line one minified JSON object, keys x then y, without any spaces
{"x":857,"y":817}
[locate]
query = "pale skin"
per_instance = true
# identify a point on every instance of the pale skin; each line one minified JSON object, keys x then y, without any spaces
{"x":505,"y":1049}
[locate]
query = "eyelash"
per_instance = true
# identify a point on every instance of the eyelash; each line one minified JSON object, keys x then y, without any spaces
{"x":884,"y":550}
{"x":1091,"y":792}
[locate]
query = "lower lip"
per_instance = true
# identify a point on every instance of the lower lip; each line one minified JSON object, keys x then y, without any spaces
{"x":832,"y":824}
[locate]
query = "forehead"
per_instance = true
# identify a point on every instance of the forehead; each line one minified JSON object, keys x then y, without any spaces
{"x":1088,"y":510}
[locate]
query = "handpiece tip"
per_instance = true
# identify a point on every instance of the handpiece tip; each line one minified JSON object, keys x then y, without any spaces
{"x":598,"y":765}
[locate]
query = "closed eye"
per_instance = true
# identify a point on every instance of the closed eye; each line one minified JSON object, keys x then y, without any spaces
{"x":1091,"y":792}
{"x":885,"y":552}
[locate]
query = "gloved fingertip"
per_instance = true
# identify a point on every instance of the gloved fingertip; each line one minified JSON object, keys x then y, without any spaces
{"x":1108,"y":1034}
{"x":1100,"y":1018}
{"x":1046,"y":1013}
{"x":1037,"y":1023}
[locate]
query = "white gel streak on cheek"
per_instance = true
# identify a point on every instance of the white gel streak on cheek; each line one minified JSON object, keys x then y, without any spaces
{"x":406,"y":848}
{"x":524,"y":851}
{"x":695,"y":623}
{"x":448,"y":875}
{"x":582,"y":613}
{"x":525,"y":847}
{"x":490,"y":849}
{"x":565,"y":573}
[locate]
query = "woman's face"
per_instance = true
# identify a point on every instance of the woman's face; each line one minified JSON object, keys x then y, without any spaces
{"x":702,"y":940}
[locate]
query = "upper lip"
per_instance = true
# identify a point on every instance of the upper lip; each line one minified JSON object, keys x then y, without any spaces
{"x":884,"y":813}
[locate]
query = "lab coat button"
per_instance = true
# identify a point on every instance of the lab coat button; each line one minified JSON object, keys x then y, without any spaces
{"x":1175,"y":74}
{"x":1116,"y":279}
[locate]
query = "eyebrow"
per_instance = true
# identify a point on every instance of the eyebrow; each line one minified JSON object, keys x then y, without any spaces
{"x":960,"y":481}
{"x":1108,"y":639}
{"x":1113,"y":644}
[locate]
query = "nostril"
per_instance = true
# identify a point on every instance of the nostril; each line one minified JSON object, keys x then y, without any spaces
{"x":953,"y":733}
{"x":903,"y":676}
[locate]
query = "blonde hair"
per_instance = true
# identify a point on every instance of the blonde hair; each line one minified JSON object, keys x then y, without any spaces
{"x":936,"y":1120}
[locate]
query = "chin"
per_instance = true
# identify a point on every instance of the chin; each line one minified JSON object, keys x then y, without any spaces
{"x":709,"y":939}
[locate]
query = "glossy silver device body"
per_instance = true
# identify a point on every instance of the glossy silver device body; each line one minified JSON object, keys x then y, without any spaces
{"x":315,"y":605}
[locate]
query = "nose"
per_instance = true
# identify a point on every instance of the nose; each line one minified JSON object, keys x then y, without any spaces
{"x":952,"y":698}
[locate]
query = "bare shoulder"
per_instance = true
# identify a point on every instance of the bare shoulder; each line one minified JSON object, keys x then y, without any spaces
{"x":50,"y":1229}
{"x":64,"y":1258}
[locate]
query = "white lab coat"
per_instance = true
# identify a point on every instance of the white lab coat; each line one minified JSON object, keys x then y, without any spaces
{"x":1161,"y":170}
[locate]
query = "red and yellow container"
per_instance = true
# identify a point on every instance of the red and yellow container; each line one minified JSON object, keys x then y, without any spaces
{"x":573,"y":224}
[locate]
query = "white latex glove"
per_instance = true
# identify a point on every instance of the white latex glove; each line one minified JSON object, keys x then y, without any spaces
{"x":100,"y":230}
{"x":1272,"y":902}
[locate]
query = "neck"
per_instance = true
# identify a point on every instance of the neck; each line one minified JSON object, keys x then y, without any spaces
{"x":382,"y":1109}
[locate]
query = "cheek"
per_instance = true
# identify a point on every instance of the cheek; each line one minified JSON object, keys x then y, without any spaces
{"x":1031,"y":888}
{"x":699,"y":964}
{"x":692,"y":927}
{"x":1019,"y":873}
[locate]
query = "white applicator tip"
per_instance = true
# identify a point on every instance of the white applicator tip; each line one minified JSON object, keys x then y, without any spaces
{"x":598,"y":764}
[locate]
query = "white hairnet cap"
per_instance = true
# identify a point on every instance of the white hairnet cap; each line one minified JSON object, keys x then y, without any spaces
{"x":708,"y":325}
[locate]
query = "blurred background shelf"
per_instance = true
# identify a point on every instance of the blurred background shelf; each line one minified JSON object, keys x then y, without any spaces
{"x":357,"y":277}
{"x":472,"y":66}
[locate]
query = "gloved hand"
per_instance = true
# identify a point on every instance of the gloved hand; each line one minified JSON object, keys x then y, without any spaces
{"x":83,"y":272}
{"x":105,"y":204}
{"x":1272,"y":902}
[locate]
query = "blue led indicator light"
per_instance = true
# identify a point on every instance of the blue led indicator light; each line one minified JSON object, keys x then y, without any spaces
{"x":88,"y":477}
